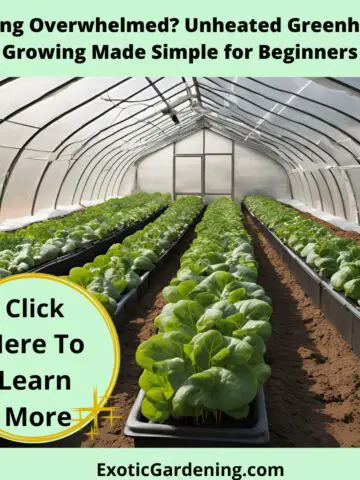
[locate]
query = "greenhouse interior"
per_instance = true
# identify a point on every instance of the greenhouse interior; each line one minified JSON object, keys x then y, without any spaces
{"x":217,"y":221}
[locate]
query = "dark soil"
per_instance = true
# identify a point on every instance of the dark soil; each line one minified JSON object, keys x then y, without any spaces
{"x":138,"y":330}
{"x":313,"y":395}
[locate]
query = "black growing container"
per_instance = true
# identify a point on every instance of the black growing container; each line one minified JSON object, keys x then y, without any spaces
{"x":341,"y":312}
{"x":253,"y":432}
{"x":127,"y":304}
{"x":62,"y":265}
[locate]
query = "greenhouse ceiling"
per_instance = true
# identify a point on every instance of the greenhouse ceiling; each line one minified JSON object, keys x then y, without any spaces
{"x":57,"y":134}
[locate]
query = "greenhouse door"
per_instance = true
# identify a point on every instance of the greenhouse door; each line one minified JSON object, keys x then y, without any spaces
{"x":188,"y":175}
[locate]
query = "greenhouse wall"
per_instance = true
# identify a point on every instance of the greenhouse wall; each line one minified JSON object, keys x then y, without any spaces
{"x":256,"y":173}
{"x":202,"y":164}
{"x":72,"y":141}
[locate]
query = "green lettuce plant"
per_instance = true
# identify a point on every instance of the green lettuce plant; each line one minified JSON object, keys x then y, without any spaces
{"x":335,"y":258}
{"x":207,"y":359}
{"x":119,"y":270}
{"x":45,"y":241}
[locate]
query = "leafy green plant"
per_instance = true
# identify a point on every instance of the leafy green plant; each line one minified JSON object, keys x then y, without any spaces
{"x":44,"y":241}
{"x":334,"y":258}
{"x":207,"y":358}
{"x":211,"y":373}
{"x":119,"y":270}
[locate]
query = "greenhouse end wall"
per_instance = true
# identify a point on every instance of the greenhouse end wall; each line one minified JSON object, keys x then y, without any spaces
{"x":254,"y":172}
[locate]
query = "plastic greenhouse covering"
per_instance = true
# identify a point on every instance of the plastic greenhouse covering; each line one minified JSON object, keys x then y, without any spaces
{"x":71,"y":142}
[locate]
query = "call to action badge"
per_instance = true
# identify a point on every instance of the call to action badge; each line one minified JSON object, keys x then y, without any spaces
{"x":59,"y":358}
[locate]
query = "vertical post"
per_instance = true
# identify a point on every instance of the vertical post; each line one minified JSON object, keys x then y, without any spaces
{"x":174,"y":172}
{"x":232,"y":170}
{"x":203,"y":166}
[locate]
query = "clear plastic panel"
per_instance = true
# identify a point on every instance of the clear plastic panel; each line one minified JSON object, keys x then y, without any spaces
{"x":291,"y":84}
{"x":102,"y":187}
{"x":7,"y":156}
{"x":334,"y":193}
{"x":330,"y":105}
{"x":330,"y":119}
{"x":188,"y":174}
{"x":98,"y":159}
{"x":293,"y":186}
{"x":352,"y":81}
{"x":218,"y":173}
{"x":312,"y":193}
{"x":50,"y":184}
{"x":192,"y":144}
{"x":355,"y":180}
{"x":101,"y":156}
{"x":108,"y":160}
{"x":240,"y":95}
{"x":67,"y":99}
{"x":141,"y":105}
{"x":327,"y":201}
{"x":155,"y":172}
{"x":168,"y":82}
{"x":65,"y":194}
{"x":300,"y":189}
{"x":14,"y":135}
{"x":256,"y":173}
{"x":339,"y":98}
{"x":22,"y":91}
{"x":64,"y":126}
{"x":344,"y":198}
{"x":116,"y":174}
{"x":216,"y":144}
{"x":313,"y":128}
{"x":128,"y":183}
{"x":111,"y":184}
{"x":19,"y":196}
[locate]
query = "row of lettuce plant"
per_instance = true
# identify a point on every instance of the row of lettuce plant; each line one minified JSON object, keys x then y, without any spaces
{"x":335,"y":258}
{"x":119,"y":270}
{"x":207,"y":358}
{"x":44,"y":241}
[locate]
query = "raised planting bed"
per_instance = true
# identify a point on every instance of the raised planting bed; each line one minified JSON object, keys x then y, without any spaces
{"x":309,"y":280}
{"x":40,"y":246}
{"x":127,"y":303}
{"x":121,"y":274}
{"x":336,"y":307}
{"x":252,"y":432}
{"x":204,"y":369}
{"x":61,"y":265}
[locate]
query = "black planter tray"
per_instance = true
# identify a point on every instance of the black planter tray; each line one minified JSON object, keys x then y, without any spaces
{"x":252,"y":433}
{"x":62,"y":265}
{"x":127,"y":303}
{"x":336,"y":307}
